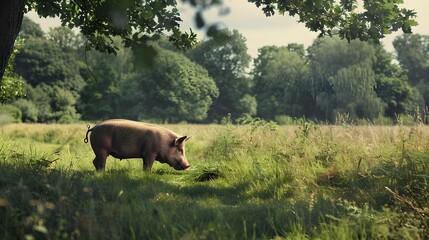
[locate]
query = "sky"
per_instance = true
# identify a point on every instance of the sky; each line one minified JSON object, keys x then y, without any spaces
{"x":260,"y":30}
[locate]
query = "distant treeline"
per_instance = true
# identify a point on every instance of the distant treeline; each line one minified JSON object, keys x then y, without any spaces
{"x":332,"y":80}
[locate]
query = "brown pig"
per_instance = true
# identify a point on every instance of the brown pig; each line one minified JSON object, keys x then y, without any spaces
{"x":129,"y":139}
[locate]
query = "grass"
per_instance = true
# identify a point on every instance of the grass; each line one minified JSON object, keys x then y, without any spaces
{"x":254,"y":181}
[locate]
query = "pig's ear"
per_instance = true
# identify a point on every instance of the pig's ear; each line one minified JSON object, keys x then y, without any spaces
{"x":180,"y":140}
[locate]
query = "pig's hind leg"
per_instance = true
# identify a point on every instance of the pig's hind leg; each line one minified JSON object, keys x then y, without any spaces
{"x":100,"y":159}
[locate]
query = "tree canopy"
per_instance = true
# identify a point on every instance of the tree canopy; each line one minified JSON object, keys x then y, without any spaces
{"x":226,"y":59}
{"x":176,"y":89}
{"x":44,"y":61}
{"x":350,"y":19}
{"x":343,"y":79}
{"x":279,"y":74}
{"x":138,"y":22}
{"x":332,"y":78}
{"x":413,"y":56}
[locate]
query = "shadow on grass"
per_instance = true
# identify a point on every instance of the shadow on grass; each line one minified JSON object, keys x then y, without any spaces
{"x":46,"y":203}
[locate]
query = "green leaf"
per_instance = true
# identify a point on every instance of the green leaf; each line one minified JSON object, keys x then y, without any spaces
{"x":144,"y":55}
{"x":411,"y":23}
{"x":40,"y":229}
{"x":147,"y":15}
{"x":386,"y":31}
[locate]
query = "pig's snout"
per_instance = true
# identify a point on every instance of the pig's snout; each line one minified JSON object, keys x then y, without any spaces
{"x":183,"y":166}
{"x":186,"y":166}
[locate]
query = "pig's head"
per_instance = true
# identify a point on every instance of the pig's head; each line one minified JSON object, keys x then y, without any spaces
{"x":177,"y":158}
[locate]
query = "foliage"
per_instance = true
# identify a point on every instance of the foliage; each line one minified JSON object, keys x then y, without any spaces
{"x":136,"y":22}
{"x":342,"y":79}
{"x":225,"y":57}
{"x":392,"y":85}
{"x":66,"y":38}
{"x":103,"y":93}
{"x":53,"y":104}
{"x":179,"y":88}
{"x":11,"y":88}
{"x":12,"y":85}
{"x":53,"y":72}
{"x":346,"y":18}
{"x":43,"y":61}
{"x":247,"y":104}
{"x":100,"y":96}
{"x":29,"y":111}
{"x":30,"y":29}
{"x":41,"y":99}
{"x":279,"y":76}
{"x":63,"y":105}
{"x":9,"y":113}
{"x":353,"y":83}
{"x":400,"y":97}
{"x":413,"y":56}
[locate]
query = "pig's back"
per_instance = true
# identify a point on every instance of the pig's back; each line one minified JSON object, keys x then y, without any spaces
{"x":128,"y":127}
{"x":129,"y":139}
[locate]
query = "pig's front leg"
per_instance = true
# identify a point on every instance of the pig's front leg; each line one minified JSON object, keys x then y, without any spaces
{"x":148,"y":160}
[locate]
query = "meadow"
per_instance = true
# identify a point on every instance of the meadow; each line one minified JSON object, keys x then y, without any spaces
{"x":251,"y":181}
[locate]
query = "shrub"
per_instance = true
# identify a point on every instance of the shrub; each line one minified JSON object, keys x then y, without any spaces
{"x":10,"y":114}
{"x":28,"y":109}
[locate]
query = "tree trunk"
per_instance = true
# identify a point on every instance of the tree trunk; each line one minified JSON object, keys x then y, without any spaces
{"x":11,"y":14}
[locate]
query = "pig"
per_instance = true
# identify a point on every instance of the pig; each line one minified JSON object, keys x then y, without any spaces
{"x":124,"y":139}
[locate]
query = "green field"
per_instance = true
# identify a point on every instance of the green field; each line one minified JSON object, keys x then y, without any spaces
{"x":256,"y":181}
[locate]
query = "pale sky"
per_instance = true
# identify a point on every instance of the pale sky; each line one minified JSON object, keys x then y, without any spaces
{"x":260,"y":30}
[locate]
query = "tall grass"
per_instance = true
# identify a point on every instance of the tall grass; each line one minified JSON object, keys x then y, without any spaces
{"x":249,"y":181}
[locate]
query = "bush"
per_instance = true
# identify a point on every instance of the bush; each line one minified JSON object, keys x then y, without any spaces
{"x":28,"y":109}
{"x":5,"y":119}
{"x":10,"y":114}
{"x":286,"y":120}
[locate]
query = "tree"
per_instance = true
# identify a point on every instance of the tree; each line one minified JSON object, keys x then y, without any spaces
{"x":40,"y":96}
{"x":28,"y":109}
{"x":63,"y":105}
{"x":47,"y":104}
{"x":43,"y":61}
{"x":11,"y":15}
{"x":174,"y":89}
{"x":280,"y":75}
{"x":138,"y":22}
{"x":12,"y":86}
{"x":413,"y":55}
{"x":66,"y":39}
{"x":392,"y":85}
{"x":30,"y":29}
{"x":53,"y":73}
{"x":225,"y":58}
{"x":99,"y":98}
{"x":342,"y":80}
